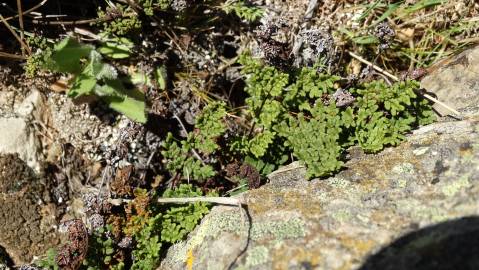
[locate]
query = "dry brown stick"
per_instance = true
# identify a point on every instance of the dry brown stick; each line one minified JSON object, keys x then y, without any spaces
{"x":20,"y":20}
{"x":427,"y":96}
{"x":25,"y":46}
{"x":12,"y":56}
{"x":71,"y":22}
{"x":28,"y":11}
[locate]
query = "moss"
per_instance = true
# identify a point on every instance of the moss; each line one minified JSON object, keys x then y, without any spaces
{"x":453,"y":188}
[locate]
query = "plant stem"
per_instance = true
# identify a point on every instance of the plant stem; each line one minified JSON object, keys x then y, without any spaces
{"x":216,"y":200}
{"x":184,"y":129}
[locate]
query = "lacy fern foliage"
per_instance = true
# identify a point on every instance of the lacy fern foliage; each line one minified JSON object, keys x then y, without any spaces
{"x":300,"y":109}
{"x":183,"y":157}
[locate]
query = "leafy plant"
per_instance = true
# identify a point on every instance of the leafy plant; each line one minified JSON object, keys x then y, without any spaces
{"x":245,"y":12}
{"x":101,"y":249}
{"x":49,"y":261}
{"x":146,"y":253}
{"x":119,"y":20}
{"x":93,"y":77}
{"x":167,"y":226}
{"x":115,"y":47}
{"x":178,"y":221}
{"x":300,"y":110}
{"x":36,"y":60}
{"x":386,"y":113}
{"x":149,"y":6}
{"x":183,"y":157}
{"x":315,"y":141}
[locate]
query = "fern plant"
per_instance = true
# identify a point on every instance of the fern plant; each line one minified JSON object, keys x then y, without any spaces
{"x":384,"y":114}
{"x":166,"y":225}
{"x":101,"y":249}
{"x":182,"y":157}
{"x":299,"y":109}
{"x":178,"y":221}
{"x":243,"y":11}
{"x":146,"y":253}
{"x":315,"y":141}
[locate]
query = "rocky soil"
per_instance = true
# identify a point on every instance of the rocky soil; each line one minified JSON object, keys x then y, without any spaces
{"x":414,"y":206}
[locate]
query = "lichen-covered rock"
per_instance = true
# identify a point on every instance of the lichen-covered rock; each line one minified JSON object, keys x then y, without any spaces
{"x":414,"y":206}
{"x":336,"y":223}
{"x":26,"y":222}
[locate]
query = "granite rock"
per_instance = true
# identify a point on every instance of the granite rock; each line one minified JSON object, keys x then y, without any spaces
{"x":414,"y":206}
{"x":17,"y":132}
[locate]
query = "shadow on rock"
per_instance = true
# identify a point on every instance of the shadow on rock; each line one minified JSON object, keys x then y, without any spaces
{"x":449,"y":245}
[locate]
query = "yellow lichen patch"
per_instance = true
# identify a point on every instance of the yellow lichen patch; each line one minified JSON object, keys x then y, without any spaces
{"x":358,"y":246}
{"x":264,"y":201}
{"x":378,"y":217}
{"x":370,"y":184}
{"x":467,"y":152}
{"x":284,"y":256}
{"x":189,"y":259}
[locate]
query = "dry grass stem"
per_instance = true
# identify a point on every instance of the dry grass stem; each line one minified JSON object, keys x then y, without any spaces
{"x":216,"y":200}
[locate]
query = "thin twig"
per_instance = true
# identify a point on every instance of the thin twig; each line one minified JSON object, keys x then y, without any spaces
{"x":106,"y":171}
{"x":28,"y":11}
{"x":12,"y":56}
{"x":427,"y":96}
{"x":78,"y":22}
{"x":193,"y":151}
{"x":360,"y":59}
{"x":15,"y":35}
{"x":20,"y":20}
{"x":87,"y":33}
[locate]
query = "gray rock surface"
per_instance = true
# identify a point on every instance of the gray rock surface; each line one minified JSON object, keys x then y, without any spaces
{"x":17,"y":134}
{"x":455,"y":82}
{"x":414,"y":206}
